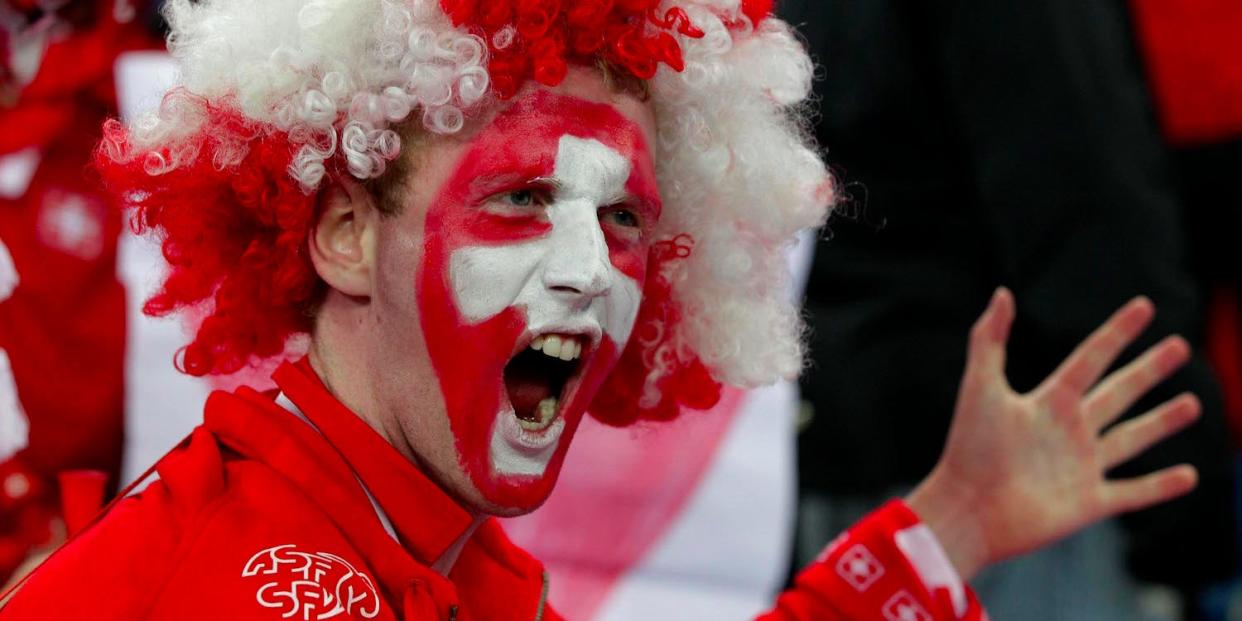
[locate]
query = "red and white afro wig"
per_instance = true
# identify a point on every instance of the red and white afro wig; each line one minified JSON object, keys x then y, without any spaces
{"x":279,"y":94}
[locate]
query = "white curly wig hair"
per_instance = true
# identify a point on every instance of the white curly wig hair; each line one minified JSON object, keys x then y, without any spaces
{"x":737,"y":171}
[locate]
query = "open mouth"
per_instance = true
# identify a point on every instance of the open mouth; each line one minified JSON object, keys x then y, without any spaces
{"x":539,"y":378}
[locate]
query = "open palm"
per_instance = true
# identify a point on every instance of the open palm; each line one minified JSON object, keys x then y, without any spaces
{"x":1020,"y":471}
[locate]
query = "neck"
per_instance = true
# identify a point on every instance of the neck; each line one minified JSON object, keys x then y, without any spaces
{"x":445,"y":563}
{"x":339,"y":355}
{"x":339,"y":360}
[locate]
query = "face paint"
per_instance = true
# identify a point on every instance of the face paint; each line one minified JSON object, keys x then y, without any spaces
{"x":541,"y":232}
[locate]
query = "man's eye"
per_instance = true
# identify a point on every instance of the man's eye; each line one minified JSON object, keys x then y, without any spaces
{"x":514,"y":203}
{"x":521,"y":198}
{"x":623,"y":217}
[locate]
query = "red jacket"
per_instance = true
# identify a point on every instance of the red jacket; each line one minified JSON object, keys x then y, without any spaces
{"x":260,"y":515}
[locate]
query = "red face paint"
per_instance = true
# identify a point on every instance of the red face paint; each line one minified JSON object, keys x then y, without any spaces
{"x":469,"y":348}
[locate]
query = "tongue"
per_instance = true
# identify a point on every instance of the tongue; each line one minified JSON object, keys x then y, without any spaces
{"x":526,"y":390}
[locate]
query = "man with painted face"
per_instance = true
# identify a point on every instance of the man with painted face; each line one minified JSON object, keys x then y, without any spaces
{"x":491,"y":219}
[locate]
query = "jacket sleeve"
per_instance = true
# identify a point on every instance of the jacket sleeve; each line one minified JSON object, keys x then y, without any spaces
{"x":888,"y":567}
{"x":117,"y":567}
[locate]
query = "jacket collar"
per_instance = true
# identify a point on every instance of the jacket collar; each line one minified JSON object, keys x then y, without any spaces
{"x":426,"y":519}
{"x":493,"y":578}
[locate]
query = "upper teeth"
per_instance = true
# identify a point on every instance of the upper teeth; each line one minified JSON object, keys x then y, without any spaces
{"x":558,"y":346}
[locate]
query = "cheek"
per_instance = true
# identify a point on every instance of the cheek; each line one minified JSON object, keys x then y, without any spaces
{"x":622,"y":310}
{"x":468,"y":344}
{"x":628,"y":256}
{"x":485,"y":280}
{"x":396,"y":291}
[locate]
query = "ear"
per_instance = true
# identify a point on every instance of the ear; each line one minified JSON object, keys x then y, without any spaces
{"x":342,"y":244}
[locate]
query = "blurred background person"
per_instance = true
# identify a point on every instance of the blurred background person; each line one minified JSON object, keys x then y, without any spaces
{"x":63,"y":328}
{"x":1015,"y":143}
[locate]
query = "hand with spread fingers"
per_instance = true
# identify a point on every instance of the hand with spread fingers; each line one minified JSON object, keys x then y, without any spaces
{"x":1020,"y":471}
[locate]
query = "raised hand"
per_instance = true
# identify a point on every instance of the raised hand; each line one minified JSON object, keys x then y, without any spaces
{"x":1020,"y":471}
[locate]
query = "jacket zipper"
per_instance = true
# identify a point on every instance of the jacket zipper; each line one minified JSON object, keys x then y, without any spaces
{"x":543,"y":597}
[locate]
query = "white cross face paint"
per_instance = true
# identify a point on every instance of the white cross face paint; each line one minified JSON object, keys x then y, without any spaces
{"x":564,"y":280}
{"x":532,"y":275}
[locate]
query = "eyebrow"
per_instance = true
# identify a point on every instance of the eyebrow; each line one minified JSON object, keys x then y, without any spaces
{"x":557,"y":186}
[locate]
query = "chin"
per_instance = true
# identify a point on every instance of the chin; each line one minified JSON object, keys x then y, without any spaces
{"x":507,"y":512}
{"x":543,"y":398}
{"x":513,"y":498}
{"x":507,"y":493}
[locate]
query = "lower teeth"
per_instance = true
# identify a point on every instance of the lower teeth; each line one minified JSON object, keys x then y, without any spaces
{"x":545,"y":412}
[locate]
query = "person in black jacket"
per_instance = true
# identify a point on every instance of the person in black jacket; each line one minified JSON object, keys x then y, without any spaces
{"x":984,"y":143}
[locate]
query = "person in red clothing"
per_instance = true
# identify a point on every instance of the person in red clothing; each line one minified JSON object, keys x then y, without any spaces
{"x":56,"y":88}
{"x":491,"y":219}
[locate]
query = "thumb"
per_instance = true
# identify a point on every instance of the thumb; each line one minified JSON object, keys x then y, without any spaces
{"x":990,"y":335}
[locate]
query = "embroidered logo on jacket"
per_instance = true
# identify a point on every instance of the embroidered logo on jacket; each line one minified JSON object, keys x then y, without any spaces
{"x":311,"y":585}
{"x":903,"y":607}
{"x":859,"y":567}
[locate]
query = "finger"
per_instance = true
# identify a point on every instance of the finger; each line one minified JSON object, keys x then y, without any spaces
{"x":1145,"y":491}
{"x":1089,"y":361}
{"x":1112,"y":397}
{"x":990,"y":334}
{"x":1125,"y":441}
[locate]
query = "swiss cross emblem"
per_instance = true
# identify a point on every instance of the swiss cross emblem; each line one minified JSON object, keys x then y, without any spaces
{"x":311,"y":586}
{"x":859,"y":567}
{"x":72,"y":223}
{"x":903,"y":607}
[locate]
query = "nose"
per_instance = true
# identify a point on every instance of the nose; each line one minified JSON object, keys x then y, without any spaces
{"x":578,"y":263}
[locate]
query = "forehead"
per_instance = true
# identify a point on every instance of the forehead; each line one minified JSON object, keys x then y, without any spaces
{"x":534,"y":137}
{"x":538,"y":119}
{"x":520,"y":137}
